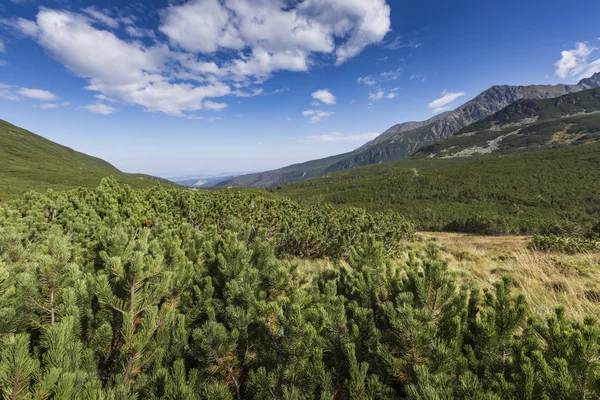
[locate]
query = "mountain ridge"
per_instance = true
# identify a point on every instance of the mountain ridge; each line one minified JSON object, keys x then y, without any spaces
{"x":405,"y":139}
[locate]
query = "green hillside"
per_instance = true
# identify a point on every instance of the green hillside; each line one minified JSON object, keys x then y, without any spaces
{"x":31,"y":162}
{"x":547,"y":191}
{"x":527,"y":125}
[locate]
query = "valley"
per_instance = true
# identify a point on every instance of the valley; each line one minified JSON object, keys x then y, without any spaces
{"x":455,"y":255}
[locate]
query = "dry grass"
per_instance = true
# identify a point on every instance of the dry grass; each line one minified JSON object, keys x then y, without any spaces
{"x":546,"y":279}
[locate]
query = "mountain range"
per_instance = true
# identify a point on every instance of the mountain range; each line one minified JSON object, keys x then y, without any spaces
{"x":524,"y":126}
{"x":403,"y":140}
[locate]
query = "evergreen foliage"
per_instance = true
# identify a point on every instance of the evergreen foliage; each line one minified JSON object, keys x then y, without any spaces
{"x":171,"y":294}
{"x":549,"y":192}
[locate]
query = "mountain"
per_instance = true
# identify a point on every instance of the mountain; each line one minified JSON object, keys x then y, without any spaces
{"x":549,"y":191}
{"x":292,"y":173}
{"x":526,"y":125}
{"x":31,"y":162}
{"x":403,"y":140}
{"x":200,"y":181}
{"x":476,"y":182}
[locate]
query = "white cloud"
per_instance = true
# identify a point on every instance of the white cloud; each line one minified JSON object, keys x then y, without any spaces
{"x":421,"y":78}
{"x":390,"y":75}
{"x":99,"y":108}
{"x":440,"y":110}
{"x":25,"y":26}
{"x":37,"y":94}
{"x":398,"y":43}
{"x":274,"y":27}
{"x":372,"y":80}
{"x":141,"y":77}
{"x":211,"y":105}
{"x":2,"y":47}
{"x":574,"y":62}
{"x":445,"y":99}
{"x":367,"y":80}
{"x":340,"y":137}
{"x":140,"y":32}
{"x":315,"y":116}
{"x":378,"y":95}
{"x":14,"y":93}
{"x":325,"y":97}
{"x":101,"y":16}
{"x":253,"y":38}
{"x":8,"y":95}
{"x":381,"y":93}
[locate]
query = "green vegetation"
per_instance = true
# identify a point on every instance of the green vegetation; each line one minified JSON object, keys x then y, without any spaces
{"x":550,"y":192}
{"x":161,"y":293}
{"x":527,"y":125}
{"x":30,"y":162}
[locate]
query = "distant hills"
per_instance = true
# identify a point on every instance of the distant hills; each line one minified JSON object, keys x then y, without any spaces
{"x":204,"y":180}
{"x":403,"y":140}
{"x":31,"y":162}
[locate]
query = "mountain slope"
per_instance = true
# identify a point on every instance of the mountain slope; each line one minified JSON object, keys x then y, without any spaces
{"x":475,"y":181}
{"x":526,"y":125}
{"x":403,"y":140}
{"x":550,"y":191}
{"x":292,"y":173}
{"x":31,"y":162}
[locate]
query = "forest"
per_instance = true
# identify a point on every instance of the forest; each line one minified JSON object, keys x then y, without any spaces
{"x":166,"y":293}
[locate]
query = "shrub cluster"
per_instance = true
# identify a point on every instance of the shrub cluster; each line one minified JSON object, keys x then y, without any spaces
{"x":160,"y":294}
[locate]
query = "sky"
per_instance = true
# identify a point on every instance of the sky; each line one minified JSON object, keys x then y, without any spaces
{"x":194,"y":87}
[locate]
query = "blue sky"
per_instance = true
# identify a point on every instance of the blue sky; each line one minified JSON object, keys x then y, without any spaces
{"x":204,"y":86}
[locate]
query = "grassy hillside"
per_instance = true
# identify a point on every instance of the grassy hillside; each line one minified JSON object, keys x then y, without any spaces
{"x":546,"y":191}
{"x":31,"y":162}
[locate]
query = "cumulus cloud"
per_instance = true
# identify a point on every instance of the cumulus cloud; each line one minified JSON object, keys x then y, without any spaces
{"x":325,"y":97}
{"x":315,"y":116}
{"x":99,"y":108}
{"x":445,"y":99}
{"x":575,"y":62}
{"x":37,"y":94}
{"x":340,"y":137}
{"x":253,"y":39}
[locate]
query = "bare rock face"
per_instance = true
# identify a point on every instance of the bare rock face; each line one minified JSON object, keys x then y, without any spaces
{"x":403,"y":140}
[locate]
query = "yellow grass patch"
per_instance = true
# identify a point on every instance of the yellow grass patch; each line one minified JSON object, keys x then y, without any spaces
{"x":546,"y":279}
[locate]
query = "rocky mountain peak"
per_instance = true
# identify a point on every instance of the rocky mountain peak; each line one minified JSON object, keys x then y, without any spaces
{"x":591,"y":82}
